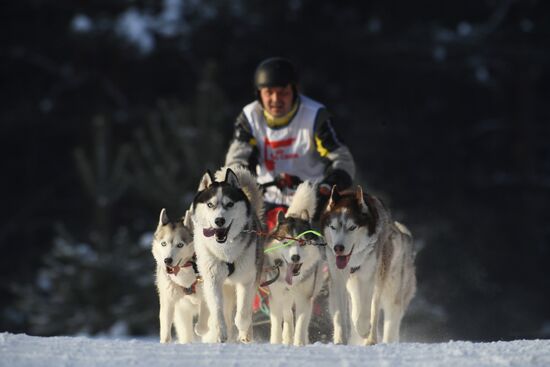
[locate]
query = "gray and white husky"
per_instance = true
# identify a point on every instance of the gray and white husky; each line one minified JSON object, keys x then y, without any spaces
{"x":177,"y":280}
{"x":373,"y":258}
{"x":226,"y":218}
{"x":300,"y":265}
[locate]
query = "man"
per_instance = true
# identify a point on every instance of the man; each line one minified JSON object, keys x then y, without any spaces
{"x":286,"y":137}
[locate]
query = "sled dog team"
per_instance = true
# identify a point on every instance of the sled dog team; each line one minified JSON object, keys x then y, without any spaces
{"x":211,"y":262}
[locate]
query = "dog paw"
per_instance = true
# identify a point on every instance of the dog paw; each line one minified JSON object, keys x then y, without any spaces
{"x":211,"y":338}
{"x":370,"y":341}
{"x":201,"y":330}
{"x":245,"y":338}
{"x":363,"y":328}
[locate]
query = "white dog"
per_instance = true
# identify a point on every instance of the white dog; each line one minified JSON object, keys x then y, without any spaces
{"x":300,"y":263}
{"x":226,"y":217}
{"x":373,"y":258}
{"x":177,"y":280}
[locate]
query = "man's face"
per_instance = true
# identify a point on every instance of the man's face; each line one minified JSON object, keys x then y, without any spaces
{"x":277,"y":101}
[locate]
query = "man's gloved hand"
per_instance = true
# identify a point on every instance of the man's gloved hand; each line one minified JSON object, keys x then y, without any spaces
{"x":324,"y":189}
{"x":286,"y":181}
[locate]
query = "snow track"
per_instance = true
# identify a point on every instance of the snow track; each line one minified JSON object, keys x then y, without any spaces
{"x":23,"y":350}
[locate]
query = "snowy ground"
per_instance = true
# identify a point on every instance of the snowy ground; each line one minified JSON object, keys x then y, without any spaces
{"x":23,"y":350}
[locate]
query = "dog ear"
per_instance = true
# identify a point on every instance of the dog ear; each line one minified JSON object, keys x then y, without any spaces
{"x":334,"y":197}
{"x":231,"y":178}
{"x":304,"y":215}
{"x":187,"y":222}
{"x":206,"y":180}
{"x":163,"y":218}
{"x":361,"y":199}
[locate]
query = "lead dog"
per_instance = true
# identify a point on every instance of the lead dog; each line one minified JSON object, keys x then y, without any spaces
{"x":180,"y":293}
{"x":226,"y":217}
{"x":372,"y":257}
{"x":300,"y":263}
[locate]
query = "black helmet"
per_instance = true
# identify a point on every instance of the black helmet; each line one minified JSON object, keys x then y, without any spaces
{"x":275,"y":72}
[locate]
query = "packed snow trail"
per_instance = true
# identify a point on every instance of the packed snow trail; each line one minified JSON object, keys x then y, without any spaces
{"x":25,"y":351}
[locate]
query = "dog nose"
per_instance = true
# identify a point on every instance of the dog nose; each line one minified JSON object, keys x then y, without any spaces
{"x":339,"y":249}
{"x":168,"y":260}
{"x":219,"y":221}
{"x":295,"y":258}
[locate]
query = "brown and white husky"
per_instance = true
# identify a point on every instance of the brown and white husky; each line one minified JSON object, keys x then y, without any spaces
{"x":371,"y":257}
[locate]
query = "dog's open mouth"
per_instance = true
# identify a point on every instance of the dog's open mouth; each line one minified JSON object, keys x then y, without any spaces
{"x":342,"y":261}
{"x":292,"y":270}
{"x":220,"y":233}
{"x":172,"y":269}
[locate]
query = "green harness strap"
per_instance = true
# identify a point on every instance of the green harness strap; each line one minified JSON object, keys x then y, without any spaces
{"x":288,"y":243}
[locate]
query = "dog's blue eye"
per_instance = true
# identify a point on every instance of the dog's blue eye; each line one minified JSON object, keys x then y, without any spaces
{"x":332,"y":227}
{"x":352,"y":228}
{"x":163,"y":243}
{"x":180,"y":245}
{"x":229,"y":205}
{"x":210,"y":205}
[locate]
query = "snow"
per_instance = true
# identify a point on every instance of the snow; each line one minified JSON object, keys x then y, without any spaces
{"x":18,"y":350}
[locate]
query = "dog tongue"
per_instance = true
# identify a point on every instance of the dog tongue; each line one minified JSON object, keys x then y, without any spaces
{"x":342,"y":261}
{"x":289,"y":273}
{"x":208,"y":232}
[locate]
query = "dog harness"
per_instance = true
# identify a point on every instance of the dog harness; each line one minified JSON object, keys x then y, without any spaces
{"x":192,"y":289}
{"x":230,"y":268}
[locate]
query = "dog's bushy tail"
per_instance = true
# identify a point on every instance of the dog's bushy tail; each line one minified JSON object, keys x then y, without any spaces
{"x":250,"y":187}
{"x":305,"y":198}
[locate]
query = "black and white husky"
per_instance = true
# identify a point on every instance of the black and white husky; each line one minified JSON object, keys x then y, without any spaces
{"x":300,"y":267}
{"x":226,"y":218}
{"x":373,"y":258}
{"x":177,"y":280}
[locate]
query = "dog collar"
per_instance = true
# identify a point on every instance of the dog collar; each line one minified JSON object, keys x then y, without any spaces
{"x":191,"y":289}
{"x":354,"y":269}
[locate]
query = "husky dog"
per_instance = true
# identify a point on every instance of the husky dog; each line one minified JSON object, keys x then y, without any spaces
{"x":373,"y":258}
{"x":180,"y":294}
{"x":300,"y":262}
{"x":226,"y":217}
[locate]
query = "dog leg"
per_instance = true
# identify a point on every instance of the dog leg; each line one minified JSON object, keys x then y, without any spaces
{"x":288,"y":322}
{"x":360,"y":296}
{"x":303,"y":315}
{"x":276,"y":315}
{"x":229,"y":311}
{"x":183,"y":322}
{"x":166,"y":317}
{"x":393,"y":314}
{"x":338,"y":303}
{"x":243,"y":318}
{"x":374,"y":314}
{"x":201,"y":328}
{"x":212,"y":287}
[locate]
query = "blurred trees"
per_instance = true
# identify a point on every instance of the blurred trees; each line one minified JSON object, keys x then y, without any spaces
{"x":443,"y":106}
